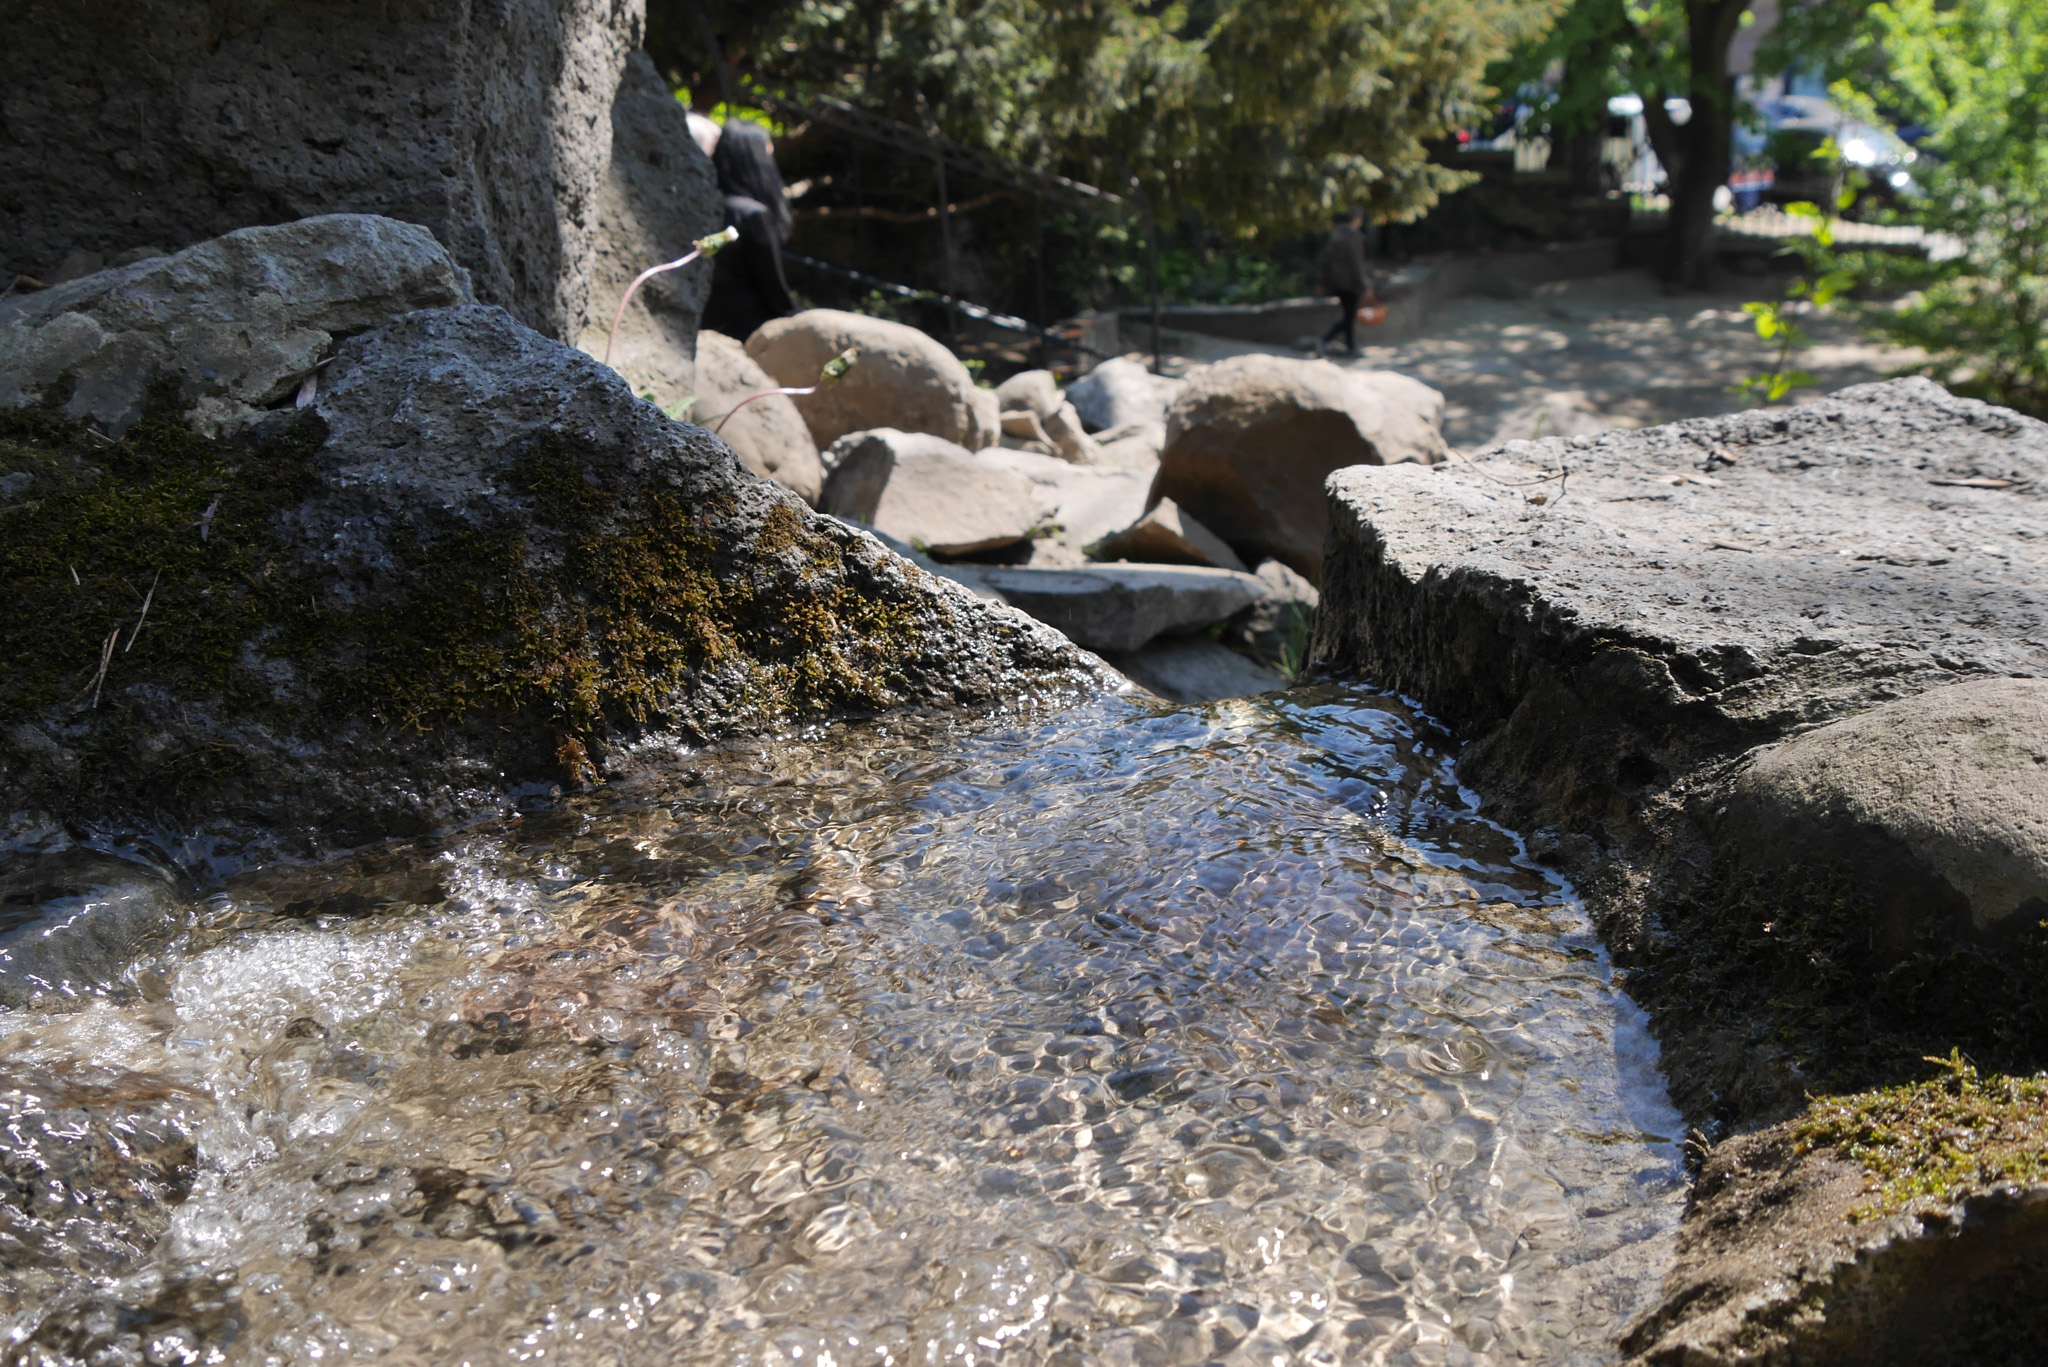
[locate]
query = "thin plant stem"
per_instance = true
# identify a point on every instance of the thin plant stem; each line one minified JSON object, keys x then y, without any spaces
{"x":764,"y":394}
{"x":706,"y":246}
{"x":638,"y":281}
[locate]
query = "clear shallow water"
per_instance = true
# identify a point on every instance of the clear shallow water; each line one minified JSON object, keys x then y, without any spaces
{"x":1128,"y":1035}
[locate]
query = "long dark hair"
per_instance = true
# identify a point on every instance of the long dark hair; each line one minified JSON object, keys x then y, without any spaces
{"x":746,"y":166}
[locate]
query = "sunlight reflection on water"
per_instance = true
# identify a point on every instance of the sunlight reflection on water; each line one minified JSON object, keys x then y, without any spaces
{"x":1131,"y":1034}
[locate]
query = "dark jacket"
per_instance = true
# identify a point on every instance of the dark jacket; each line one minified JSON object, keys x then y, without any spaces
{"x":1342,"y":268}
{"x":747,"y":284}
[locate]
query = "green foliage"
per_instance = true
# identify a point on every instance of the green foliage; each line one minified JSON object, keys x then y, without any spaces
{"x":1974,"y":75}
{"x":1658,"y":49}
{"x":1824,"y":282}
{"x":1930,"y":1143}
{"x":1228,"y":276}
{"x":878,"y":304}
{"x":1258,"y":117}
{"x":1294,"y":645}
{"x":1606,"y":48}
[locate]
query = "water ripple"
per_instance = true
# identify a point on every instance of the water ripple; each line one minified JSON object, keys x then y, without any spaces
{"x":1130,"y":1035}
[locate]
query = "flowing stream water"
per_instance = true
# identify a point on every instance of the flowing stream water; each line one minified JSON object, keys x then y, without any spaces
{"x":1126,"y":1034}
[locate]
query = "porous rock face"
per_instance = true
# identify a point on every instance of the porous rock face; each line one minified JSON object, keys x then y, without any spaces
{"x":903,"y":379}
{"x":490,"y":124}
{"x":488,"y":565}
{"x":1751,"y":679}
{"x":1692,"y":590}
{"x":242,"y":319}
{"x":659,"y":196}
{"x":1250,"y":440}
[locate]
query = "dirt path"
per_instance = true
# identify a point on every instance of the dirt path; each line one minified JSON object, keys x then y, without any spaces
{"x":1582,"y":356}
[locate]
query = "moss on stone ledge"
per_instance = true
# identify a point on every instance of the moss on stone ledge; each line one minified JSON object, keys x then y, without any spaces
{"x":637,"y":606}
{"x":1928,"y":1144}
{"x":580,"y":606}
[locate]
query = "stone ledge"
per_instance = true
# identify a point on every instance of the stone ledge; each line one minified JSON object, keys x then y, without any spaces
{"x":1621,"y":626}
{"x":1692,"y":590}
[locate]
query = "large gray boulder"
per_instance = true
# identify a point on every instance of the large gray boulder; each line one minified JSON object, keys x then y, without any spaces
{"x":658,"y":197}
{"x":929,"y":493}
{"x":475,"y":561}
{"x":1250,"y":440}
{"x":244,"y":318}
{"x":903,"y":379}
{"x":162,"y":123}
{"x":1935,"y":805}
{"x":768,"y":435}
{"x":1691,"y":590}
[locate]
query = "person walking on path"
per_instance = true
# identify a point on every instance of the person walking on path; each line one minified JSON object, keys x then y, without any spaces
{"x":1342,"y":272}
{"x":747,"y":284}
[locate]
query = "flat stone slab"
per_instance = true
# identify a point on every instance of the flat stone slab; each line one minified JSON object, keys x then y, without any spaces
{"x":1694,"y":588}
{"x":1195,"y":669}
{"x":1121,"y":607}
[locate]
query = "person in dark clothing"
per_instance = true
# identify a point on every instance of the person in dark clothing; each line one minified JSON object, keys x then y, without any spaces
{"x":747,"y":284}
{"x":1342,"y":272}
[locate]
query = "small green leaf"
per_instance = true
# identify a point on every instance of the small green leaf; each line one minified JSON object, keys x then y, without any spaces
{"x":1833,"y":283}
{"x":724,"y":237}
{"x":836,"y":368}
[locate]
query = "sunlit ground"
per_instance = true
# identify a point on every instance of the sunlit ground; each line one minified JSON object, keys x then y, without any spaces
{"x":1582,"y":356}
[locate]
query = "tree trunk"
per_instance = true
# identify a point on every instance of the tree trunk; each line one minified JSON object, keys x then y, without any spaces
{"x":1696,"y":154}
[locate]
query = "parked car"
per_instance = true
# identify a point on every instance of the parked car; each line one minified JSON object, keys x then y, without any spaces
{"x":1795,"y":130}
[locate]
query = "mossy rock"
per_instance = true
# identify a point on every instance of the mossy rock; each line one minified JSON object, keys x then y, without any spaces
{"x":475,"y":561}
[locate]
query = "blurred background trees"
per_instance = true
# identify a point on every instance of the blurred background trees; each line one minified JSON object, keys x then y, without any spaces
{"x":1225,"y":132}
{"x":1237,"y":128}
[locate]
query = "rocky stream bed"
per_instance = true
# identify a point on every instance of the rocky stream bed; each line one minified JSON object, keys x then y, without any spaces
{"x":492,"y":871}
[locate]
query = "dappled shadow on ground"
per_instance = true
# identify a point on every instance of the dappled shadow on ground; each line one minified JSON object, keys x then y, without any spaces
{"x":1581,"y":356}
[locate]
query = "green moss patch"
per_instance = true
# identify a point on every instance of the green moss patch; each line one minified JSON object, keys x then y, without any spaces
{"x":97,"y":528}
{"x":159,"y":559}
{"x":1927,"y":1144}
{"x":636,"y":608}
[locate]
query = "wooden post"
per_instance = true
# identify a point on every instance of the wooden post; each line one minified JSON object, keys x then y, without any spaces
{"x":1038,"y":273}
{"x":946,"y":256}
{"x":1152,"y":269}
